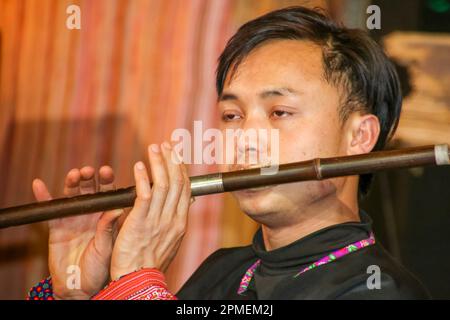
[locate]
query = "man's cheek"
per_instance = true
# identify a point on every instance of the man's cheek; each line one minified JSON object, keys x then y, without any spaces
{"x":294,"y":149}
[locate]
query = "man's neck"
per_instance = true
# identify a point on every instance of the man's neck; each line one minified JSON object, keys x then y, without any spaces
{"x":311,"y":219}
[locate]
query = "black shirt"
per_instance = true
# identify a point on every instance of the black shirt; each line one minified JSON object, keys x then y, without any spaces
{"x":219,"y":276}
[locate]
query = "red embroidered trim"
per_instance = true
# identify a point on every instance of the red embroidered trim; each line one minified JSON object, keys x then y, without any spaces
{"x":145,"y":284}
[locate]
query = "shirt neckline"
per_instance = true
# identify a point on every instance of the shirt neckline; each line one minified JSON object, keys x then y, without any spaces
{"x":310,"y":248}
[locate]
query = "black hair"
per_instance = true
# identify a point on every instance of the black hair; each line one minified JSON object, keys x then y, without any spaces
{"x":351,"y":59}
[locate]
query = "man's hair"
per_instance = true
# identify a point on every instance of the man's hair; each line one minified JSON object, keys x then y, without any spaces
{"x":352,"y":61}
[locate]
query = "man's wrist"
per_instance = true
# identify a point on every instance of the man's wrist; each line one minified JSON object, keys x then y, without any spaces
{"x":117,"y":274}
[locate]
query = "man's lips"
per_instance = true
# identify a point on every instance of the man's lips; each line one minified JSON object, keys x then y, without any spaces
{"x":256,"y":190}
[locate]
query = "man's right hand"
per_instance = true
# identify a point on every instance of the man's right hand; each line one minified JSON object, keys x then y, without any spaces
{"x":81,"y":243}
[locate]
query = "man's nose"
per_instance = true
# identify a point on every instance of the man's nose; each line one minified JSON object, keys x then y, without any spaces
{"x":253,"y":143}
{"x":256,"y":120}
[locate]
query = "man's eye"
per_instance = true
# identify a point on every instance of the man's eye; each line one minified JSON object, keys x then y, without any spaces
{"x":230,"y":117}
{"x":280,"y":114}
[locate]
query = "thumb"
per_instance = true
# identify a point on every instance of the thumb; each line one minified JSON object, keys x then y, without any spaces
{"x":105,"y":232}
{"x":41,"y":193}
{"x":40,"y":190}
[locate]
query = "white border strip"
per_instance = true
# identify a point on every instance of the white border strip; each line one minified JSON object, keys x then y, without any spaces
{"x":441,"y":154}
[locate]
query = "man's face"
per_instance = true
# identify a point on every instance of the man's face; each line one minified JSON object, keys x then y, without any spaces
{"x":281,"y":85}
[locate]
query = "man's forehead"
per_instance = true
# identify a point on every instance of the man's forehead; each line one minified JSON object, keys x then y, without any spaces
{"x":283,"y":52}
{"x":277,"y":61}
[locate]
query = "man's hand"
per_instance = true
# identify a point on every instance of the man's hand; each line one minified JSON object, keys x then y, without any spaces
{"x":81,"y":243}
{"x":154,"y":228}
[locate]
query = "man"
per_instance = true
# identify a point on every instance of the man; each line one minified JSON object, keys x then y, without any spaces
{"x":329,"y":91}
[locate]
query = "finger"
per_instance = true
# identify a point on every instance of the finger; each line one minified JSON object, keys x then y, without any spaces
{"x":87,"y":182}
{"x":40,"y":190}
{"x":72,"y":183}
{"x":176,"y":182}
{"x":184,"y":203}
{"x":160,"y":178}
{"x":143,"y":192}
{"x":106,"y":179}
{"x":185,"y":199}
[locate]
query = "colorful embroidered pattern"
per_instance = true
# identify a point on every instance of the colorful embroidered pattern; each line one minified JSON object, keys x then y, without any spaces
{"x":153,"y":293}
{"x":145,"y":284}
{"x":327,"y":259}
{"x":248,"y":277}
{"x":42,"y":291}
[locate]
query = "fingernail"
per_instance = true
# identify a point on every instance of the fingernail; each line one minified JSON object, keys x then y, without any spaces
{"x":140,"y":165}
{"x":167,"y":145}
{"x":155,"y":148}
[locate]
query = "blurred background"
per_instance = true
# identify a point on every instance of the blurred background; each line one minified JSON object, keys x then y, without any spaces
{"x":138,"y":69}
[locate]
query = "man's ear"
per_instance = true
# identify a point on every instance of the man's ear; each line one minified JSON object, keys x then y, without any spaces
{"x":363,"y":131}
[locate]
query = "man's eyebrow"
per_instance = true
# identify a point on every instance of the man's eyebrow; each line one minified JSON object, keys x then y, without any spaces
{"x":278,"y":92}
{"x":227,"y":96}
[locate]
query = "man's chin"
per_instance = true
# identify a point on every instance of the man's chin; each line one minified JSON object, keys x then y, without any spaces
{"x":256,"y":202}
